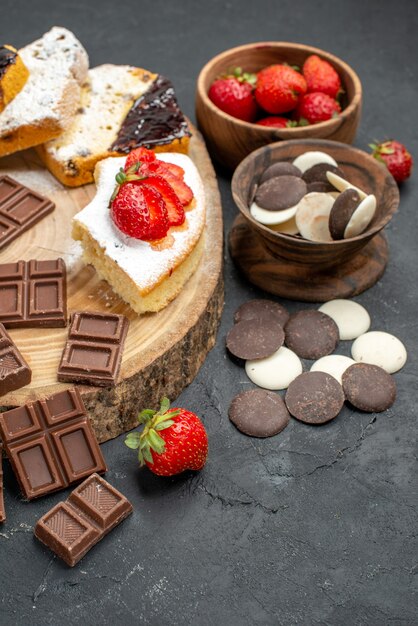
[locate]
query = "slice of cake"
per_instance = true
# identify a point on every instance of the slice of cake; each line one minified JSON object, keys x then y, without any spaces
{"x":122,"y":108}
{"x":45,"y":106}
{"x":147,"y":275}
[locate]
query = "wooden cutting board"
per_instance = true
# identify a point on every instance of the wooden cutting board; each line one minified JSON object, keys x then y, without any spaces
{"x":163,"y":351}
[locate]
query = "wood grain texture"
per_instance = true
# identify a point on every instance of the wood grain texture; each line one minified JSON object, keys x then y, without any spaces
{"x":358,"y":167}
{"x":229,"y":140}
{"x":303,"y":281}
{"x":163,"y":351}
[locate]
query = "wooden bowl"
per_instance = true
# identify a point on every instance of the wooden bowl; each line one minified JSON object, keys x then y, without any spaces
{"x":230,"y":140}
{"x":360,"y":168}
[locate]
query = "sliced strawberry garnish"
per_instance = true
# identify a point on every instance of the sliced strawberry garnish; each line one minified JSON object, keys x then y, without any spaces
{"x":175,"y":210}
{"x":175,"y":169}
{"x":139,"y":155}
{"x":182,"y":191}
{"x":139,"y":212}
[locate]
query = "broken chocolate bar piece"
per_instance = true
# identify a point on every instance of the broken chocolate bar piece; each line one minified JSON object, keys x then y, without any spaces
{"x":92,"y":510}
{"x":14,"y":371}
{"x":50,"y":443}
{"x":20,"y":209}
{"x":33,"y":294}
{"x":2,"y":509}
{"x":93,"y":352}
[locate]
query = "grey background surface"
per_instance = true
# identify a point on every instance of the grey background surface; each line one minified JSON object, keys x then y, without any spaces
{"x":313,"y":526}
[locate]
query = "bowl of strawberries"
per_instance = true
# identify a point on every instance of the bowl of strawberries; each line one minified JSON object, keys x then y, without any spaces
{"x":264,"y":92}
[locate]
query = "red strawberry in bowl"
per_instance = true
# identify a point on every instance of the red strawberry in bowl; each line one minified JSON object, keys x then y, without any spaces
{"x":316,"y":107}
{"x":396,"y":158}
{"x":275,"y":121}
{"x":234,"y":94}
{"x":278,"y":88}
{"x":172,"y":440}
{"x":321,"y":76}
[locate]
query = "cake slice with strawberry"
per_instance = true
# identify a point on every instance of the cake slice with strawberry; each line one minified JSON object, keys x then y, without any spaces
{"x":143,"y":231}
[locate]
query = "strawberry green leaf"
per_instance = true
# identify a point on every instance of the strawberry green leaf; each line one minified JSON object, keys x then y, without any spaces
{"x":303,"y":122}
{"x":146,"y":415}
{"x":133,"y":440}
{"x":164,"y":425}
{"x":165,"y":405}
{"x":156,"y":442}
{"x":146,"y":454}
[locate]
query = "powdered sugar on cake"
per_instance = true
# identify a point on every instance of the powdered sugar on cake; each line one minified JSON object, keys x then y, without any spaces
{"x":143,"y":263}
{"x":57,"y":65}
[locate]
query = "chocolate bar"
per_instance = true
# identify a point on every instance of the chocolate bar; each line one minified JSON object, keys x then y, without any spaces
{"x":2,"y":509}
{"x":50,"y":443}
{"x":33,"y":294}
{"x":14,"y":371}
{"x":73,"y":527}
{"x":93,"y":352}
{"x":20,"y":209}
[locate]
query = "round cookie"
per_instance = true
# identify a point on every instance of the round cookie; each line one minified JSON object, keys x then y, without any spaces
{"x":287,"y":228}
{"x":318,"y":173}
{"x":272,"y":218}
{"x":369,"y":387}
{"x":312,"y":216}
{"x":311,"y":334}
{"x":379,"y":348}
{"x":351,"y":318}
{"x":308,"y":159}
{"x":276,"y":371}
{"x":333,"y":364}
{"x":280,"y":193}
{"x":314,"y":398}
{"x":255,"y":339}
{"x":259,"y":413}
{"x":341,"y":184}
{"x":281,"y":168}
{"x":350,"y":214}
{"x":261,"y":309}
{"x":361,"y":217}
{"x":320,"y":187}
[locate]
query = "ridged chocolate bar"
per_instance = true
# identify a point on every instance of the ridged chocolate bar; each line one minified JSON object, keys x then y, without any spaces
{"x":93,"y":351}
{"x":33,"y":294}
{"x":14,"y":371}
{"x":73,"y":527}
{"x":2,"y":509}
{"x":50,"y":443}
{"x":20,"y":209}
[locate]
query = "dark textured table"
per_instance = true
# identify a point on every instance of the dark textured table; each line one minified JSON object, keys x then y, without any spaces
{"x":315,"y":525}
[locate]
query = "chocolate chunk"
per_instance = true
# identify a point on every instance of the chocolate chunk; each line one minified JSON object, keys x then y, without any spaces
{"x":33,"y":294}
{"x":318,"y":173}
{"x":311,"y":334}
{"x":72,"y":528}
{"x":50,"y":443}
{"x":14,"y":371}
{"x":314,"y":398}
{"x":7,"y":57}
{"x":93,"y":352}
{"x":280,"y":193}
{"x":2,"y":509}
{"x":320,"y":187}
{"x":155,"y":118}
{"x":282,"y":168}
{"x":259,"y":413}
{"x":261,"y":309}
{"x":20,"y":209}
{"x":342,"y":211}
{"x":369,"y":387}
{"x":255,"y":339}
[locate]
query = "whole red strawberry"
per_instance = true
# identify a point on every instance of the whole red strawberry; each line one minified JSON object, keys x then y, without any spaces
{"x":278,"y":88}
{"x":172,"y":440}
{"x":321,"y":76}
{"x":396,"y":158}
{"x":317,"y":107}
{"x":276,"y":122}
{"x":139,"y":211}
{"x":234,"y":94}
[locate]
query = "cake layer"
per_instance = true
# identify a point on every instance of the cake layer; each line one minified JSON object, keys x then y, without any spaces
{"x":45,"y":106}
{"x":146,"y":275}
{"x":122,"y":107}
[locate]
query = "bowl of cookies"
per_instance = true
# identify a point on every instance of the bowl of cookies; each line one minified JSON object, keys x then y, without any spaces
{"x":314,"y":205}
{"x":260,"y":93}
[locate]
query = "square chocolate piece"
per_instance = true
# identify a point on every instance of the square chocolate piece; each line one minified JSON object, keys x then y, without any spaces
{"x":92,"y":510}
{"x":93,"y":352}
{"x":50,"y":443}
{"x":14,"y":371}
{"x":33,"y":294}
{"x":20,"y":209}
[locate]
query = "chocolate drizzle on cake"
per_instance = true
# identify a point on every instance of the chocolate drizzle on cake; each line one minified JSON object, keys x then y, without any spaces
{"x":7,"y":57}
{"x":155,"y":118}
